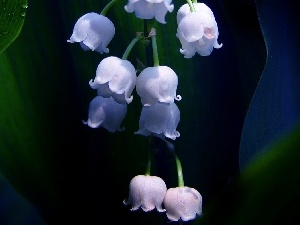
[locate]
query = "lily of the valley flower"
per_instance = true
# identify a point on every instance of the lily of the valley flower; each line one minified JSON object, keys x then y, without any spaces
{"x":149,"y":9}
{"x":197,"y":31}
{"x":183,"y":203}
{"x":106,"y":113}
{"x":115,"y":77}
{"x":160,"y":119}
{"x":147,"y":192}
{"x":157,"y":84}
{"x":94,"y":32}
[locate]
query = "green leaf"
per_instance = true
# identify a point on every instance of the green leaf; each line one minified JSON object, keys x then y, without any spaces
{"x":12,"y":16}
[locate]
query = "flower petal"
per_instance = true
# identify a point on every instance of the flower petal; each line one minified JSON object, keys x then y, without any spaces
{"x":183,"y":203}
{"x":147,"y":192}
{"x":149,"y":9}
{"x":105,"y":112}
{"x":158,"y":119}
{"x":120,"y":77}
{"x":93,"y":31}
{"x":157,"y":83}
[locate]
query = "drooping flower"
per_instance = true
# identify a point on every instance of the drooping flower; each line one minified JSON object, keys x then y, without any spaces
{"x":147,"y":192}
{"x":149,"y":9}
{"x":197,"y":31}
{"x":94,"y":32}
{"x":160,"y":119}
{"x":106,"y":113}
{"x":115,"y":77}
{"x":183,"y":203}
{"x":157,"y":84}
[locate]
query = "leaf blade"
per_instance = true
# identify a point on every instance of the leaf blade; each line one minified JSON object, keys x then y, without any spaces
{"x":12,"y":16}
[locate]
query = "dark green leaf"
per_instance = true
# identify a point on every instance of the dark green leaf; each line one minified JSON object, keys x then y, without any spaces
{"x":12,"y":16}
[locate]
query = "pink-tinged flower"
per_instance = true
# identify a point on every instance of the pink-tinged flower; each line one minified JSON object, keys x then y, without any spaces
{"x":149,"y":9}
{"x":115,"y":77}
{"x":183,"y":203}
{"x":160,"y":119}
{"x":147,"y":192}
{"x":106,"y":113}
{"x":197,"y":31}
{"x":157,"y":84}
{"x":94,"y":32}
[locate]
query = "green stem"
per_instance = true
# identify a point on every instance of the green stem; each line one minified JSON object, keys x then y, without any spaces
{"x":130,"y":46}
{"x":148,"y":168}
{"x":155,"y":52}
{"x":148,"y":48}
{"x":107,"y":7}
{"x":179,"y":171}
{"x":194,"y":1}
{"x":190,"y":2}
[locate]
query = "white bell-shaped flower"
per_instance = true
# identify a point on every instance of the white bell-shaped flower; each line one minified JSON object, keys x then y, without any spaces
{"x":115,"y":77}
{"x":105,"y":112}
{"x":147,"y":192}
{"x":183,"y":203}
{"x":197,"y":31}
{"x":94,"y":32}
{"x":157,"y":84}
{"x":149,"y":9}
{"x":160,"y":119}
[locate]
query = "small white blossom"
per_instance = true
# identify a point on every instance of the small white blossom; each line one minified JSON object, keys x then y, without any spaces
{"x":160,"y":119}
{"x":197,"y":31}
{"x":149,"y":9}
{"x":157,"y":84}
{"x":105,"y":112}
{"x":183,"y":203}
{"x":147,"y":192}
{"x":115,"y":77}
{"x":94,"y":32}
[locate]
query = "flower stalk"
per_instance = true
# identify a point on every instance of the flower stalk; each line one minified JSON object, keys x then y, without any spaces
{"x":152,"y":34}
{"x":179,"y":170}
{"x":190,"y":3}
{"x":107,"y":7}
{"x":131,"y":44}
{"x":148,"y":167}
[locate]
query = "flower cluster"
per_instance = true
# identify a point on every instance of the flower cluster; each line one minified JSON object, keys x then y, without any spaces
{"x":156,"y":85}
